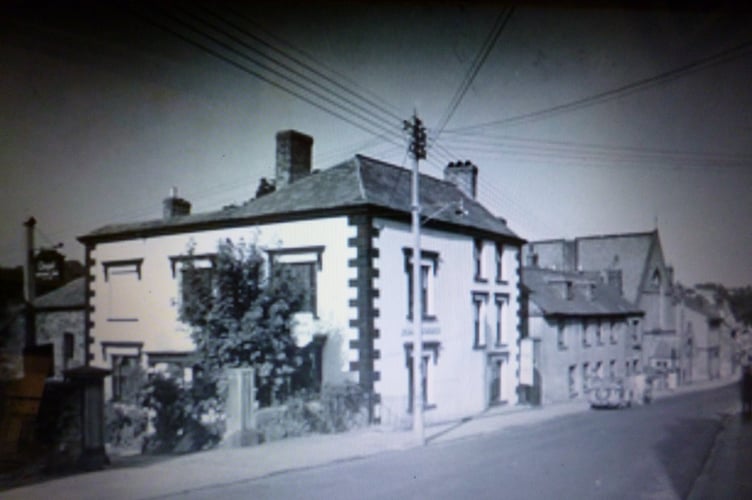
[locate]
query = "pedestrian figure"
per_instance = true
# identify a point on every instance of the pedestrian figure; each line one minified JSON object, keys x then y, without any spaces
{"x":746,"y":390}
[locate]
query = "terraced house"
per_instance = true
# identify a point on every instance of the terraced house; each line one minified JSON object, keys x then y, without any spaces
{"x":346,"y":231}
{"x":583,"y":329}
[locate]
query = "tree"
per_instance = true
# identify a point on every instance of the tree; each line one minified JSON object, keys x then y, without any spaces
{"x":240,"y":317}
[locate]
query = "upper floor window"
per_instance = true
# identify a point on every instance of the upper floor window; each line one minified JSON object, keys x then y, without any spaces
{"x":656,"y":279}
{"x":196,"y":282}
{"x":303,"y":265}
{"x":479,"y":319}
{"x":613,"y":331}
{"x":428,"y":269}
{"x":499,"y":262}
{"x":586,"y":333}
{"x":501,"y":302}
{"x":123,"y":277}
{"x":599,"y":332}
{"x":478,"y":259}
{"x":561,"y":339}
{"x":425,"y":277}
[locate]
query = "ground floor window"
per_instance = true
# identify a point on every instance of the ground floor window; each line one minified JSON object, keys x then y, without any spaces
{"x":69,"y":348}
{"x":429,"y":360}
{"x":585,"y":376}
{"x":571,"y":381}
{"x":124,"y":367}
{"x":495,"y":382}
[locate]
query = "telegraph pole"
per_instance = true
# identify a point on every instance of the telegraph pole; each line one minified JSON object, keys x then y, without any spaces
{"x":417,"y":151}
{"x":29,"y":283}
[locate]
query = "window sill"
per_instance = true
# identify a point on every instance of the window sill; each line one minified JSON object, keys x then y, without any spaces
{"x":425,"y":319}
{"x":501,"y":281}
{"x":426,"y":407}
{"x":479,"y":347}
{"x":479,"y":279}
{"x":563,"y":347}
{"x":122,"y":320}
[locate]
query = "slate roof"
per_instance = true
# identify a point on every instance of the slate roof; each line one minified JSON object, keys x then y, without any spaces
{"x":606,"y":301}
{"x":629,"y":252}
{"x":70,"y":295}
{"x":698,"y":304}
{"x":360,"y":182}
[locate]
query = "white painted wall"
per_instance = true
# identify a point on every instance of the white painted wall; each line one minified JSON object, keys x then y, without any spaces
{"x":457,"y":381}
{"x":154,"y":298}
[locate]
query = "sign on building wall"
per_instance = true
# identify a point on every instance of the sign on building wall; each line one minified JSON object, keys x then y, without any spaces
{"x":48,"y":270}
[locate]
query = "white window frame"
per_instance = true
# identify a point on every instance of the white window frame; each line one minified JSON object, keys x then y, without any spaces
{"x":312,"y":257}
{"x":480,"y":326}
{"x":501,"y":302}
{"x":123,"y":277}
{"x":429,"y":267}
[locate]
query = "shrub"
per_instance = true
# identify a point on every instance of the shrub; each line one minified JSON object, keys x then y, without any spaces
{"x":125,"y":423}
{"x":182,"y":420}
{"x":341,"y":407}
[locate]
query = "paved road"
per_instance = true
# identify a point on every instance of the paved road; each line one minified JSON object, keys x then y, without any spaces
{"x":650,"y":452}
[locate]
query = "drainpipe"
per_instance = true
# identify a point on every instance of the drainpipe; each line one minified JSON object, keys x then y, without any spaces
{"x":29,"y":282}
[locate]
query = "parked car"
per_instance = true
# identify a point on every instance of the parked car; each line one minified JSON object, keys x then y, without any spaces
{"x":609,"y":393}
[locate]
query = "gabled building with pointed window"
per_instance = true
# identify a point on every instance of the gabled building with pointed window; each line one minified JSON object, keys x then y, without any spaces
{"x":633,"y":263}
{"x":345,"y":231}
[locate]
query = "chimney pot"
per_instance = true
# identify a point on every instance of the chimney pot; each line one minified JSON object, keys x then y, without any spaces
{"x":173,"y":206}
{"x":464,"y":175}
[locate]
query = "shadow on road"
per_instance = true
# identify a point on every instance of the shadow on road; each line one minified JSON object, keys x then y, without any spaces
{"x":685,"y":449}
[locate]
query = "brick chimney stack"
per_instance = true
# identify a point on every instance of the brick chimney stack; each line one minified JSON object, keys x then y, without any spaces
{"x":173,"y":206}
{"x":464,"y":175}
{"x":293,"y":157}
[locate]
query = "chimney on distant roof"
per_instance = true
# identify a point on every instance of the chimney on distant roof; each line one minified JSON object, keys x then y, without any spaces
{"x":293,"y":157}
{"x":464,"y":175}
{"x":614,"y":279}
{"x":173,"y":206}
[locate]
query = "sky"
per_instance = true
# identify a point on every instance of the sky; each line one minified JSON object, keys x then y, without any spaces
{"x":581,"y":121}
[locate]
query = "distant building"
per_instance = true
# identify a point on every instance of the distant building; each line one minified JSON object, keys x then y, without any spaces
{"x":59,"y":318}
{"x":633,"y":263}
{"x":711,"y":347}
{"x":583,"y":329}
{"x":345,"y":230}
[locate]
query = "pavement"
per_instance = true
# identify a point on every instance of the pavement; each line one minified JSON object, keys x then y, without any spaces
{"x":153,"y":477}
{"x":727,"y":472}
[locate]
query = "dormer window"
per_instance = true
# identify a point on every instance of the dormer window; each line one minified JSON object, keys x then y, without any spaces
{"x":569,"y":290}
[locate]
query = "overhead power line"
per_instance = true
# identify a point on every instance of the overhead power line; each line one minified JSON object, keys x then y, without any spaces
{"x":560,"y":150}
{"x":310,"y":67}
{"x":624,"y":90}
{"x":480,"y":59}
{"x":343,"y":113}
